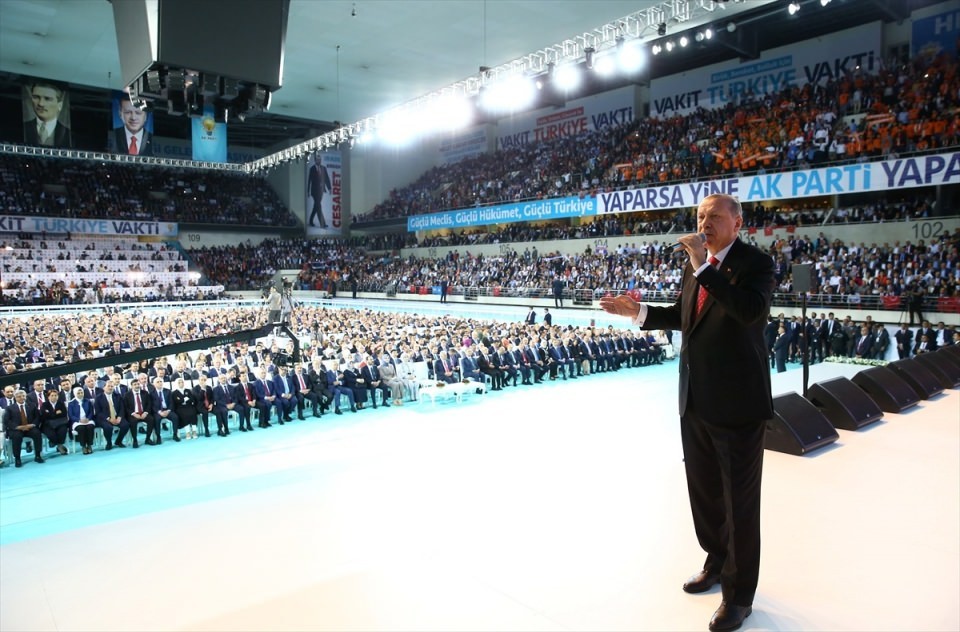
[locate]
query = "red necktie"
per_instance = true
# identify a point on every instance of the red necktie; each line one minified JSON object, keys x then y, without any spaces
{"x":702,"y":294}
{"x":136,"y":396}
{"x":303,"y":386}
{"x":133,"y":146}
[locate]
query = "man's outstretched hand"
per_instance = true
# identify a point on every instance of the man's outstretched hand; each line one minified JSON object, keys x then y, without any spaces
{"x":621,"y":305}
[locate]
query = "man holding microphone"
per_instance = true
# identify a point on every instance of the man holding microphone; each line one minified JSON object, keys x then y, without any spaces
{"x":725,"y":398}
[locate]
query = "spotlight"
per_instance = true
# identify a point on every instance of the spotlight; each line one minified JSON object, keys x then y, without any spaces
{"x":731,"y":27}
{"x":669,"y":46}
{"x":708,"y":34}
{"x":567,"y":77}
{"x":683,"y":40}
{"x":793,"y":8}
{"x":655,"y":49}
{"x":662,"y":29}
{"x":824,"y":3}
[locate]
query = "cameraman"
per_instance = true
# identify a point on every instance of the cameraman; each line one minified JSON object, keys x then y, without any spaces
{"x":273,"y":305}
{"x":915,"y":301}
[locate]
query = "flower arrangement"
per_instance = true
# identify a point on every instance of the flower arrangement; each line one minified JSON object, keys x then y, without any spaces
{"x":856,"y":361}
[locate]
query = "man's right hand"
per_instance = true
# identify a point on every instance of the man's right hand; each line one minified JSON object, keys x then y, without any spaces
{"x":621,"y":305}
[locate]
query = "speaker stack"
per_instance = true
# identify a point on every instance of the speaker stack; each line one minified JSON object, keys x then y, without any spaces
{"x":942,"y":364}
{"x":887,"y":389}
{"x":918,"y":376}
{"x":844,"y":403}
{"x":797,"y":427}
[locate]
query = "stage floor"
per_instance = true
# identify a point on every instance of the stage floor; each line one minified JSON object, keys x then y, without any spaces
{"x":555,"y":507}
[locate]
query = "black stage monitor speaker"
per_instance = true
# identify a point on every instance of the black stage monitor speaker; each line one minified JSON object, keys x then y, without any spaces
{"x":801,"y":277}
{"x":797,"y":426}
{"x":950,"y":353}
{"x":885,"y":387}
{"x":844,"y":403}
{"x":940,"y":365}
{"x":918,"y":376}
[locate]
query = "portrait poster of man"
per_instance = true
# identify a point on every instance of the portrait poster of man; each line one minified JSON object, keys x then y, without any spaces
{"x":323,"y":194}
{"x":132,"y":131}
{"x":46,"y":114}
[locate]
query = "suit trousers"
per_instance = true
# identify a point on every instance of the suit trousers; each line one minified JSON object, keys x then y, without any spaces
{"x":17,"y":437}
{"x":724,"y":468}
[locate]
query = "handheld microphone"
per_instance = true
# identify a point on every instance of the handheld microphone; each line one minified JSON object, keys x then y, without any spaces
{"x":679,"y":247}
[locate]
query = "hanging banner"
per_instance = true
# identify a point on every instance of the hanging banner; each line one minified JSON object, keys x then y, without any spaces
{"x":60,"y":225}
{"x":46,"y":114}
{"x":323,"y":214}
{"x":209,"y":138}
{"x":132,"y":130}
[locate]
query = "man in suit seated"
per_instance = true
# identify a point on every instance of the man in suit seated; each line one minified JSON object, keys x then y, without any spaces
{"x":246,"y":398}
{"x":339,"y":389}
{"x":507,"y":364}
{"x":468,"y":367}
{"x":138,"y":406}
{"x":305,"y":393}
{"x":486,"y":366}
{"x":267,"y":399}
{"x":109,"y":415}
{"x":442,"y":369}
{"x":374,"y":382}
{"x":224,"y":401}
{"x":22,"y":421}
{"x":286,"y":393}
{"x":162,"y":411}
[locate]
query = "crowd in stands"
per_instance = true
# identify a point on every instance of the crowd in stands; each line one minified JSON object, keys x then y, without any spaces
{"x":349,"y":357}
{"x":61,"y":187}
{"x":908,"y":106}
{"x":56,"y":269}
{"x":845,"y":273}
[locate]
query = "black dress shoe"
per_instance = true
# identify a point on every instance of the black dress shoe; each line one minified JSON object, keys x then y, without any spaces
{"x":206,"y":433}
{"x":61,"y":449}
{"x":136,"y":444}
{"x":729,"y":617}
{"x":701,"y":582}
{"x":150,"y":442}
{"x":301,"y":418}
{"x":338,"y":412}
{"x":38,"y":459}
{"x":242,"y":429}
{"x":353,"y":409}
{"x":117,"y":444}
{"x":109,"y":446}
{"x":176,"y":438}
{"x":18,"y":463}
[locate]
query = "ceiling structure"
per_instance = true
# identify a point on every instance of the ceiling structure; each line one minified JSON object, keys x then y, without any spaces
{"x":346,"y":60}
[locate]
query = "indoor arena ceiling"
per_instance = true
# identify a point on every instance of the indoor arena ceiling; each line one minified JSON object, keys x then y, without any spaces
{"x":390,"y":51}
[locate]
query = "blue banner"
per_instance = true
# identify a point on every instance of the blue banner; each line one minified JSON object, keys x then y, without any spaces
{"x":209,"y":138}
{"x":505,"y":213}
{"x":861,"y":177}
{"x":935,"y":34}
{"x":33,"y":224}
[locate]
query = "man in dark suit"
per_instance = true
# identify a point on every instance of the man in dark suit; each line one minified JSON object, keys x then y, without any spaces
{"x":318,"y":183}
{"x":904,"y":338}
{"x":722,"y":310}
{"x":22,"y":421}
{"x":132,"y":137}
{"x":45,"y":128}
{"x":139,"y":408}
{"x":781,"y":348}
{"x":109,"y":415}
{"x":374,"y":382}
{"x":224,"y":401}
{"x":863,"y":348}
{"x":163,"y":410}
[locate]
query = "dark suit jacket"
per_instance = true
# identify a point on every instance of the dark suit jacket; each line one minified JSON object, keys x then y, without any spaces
{"x":12,"y":418}
{"x":102,"y":410}
{"x":118,"y":143}
{"x":61,"y":134}
{"x":727,"y":333}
